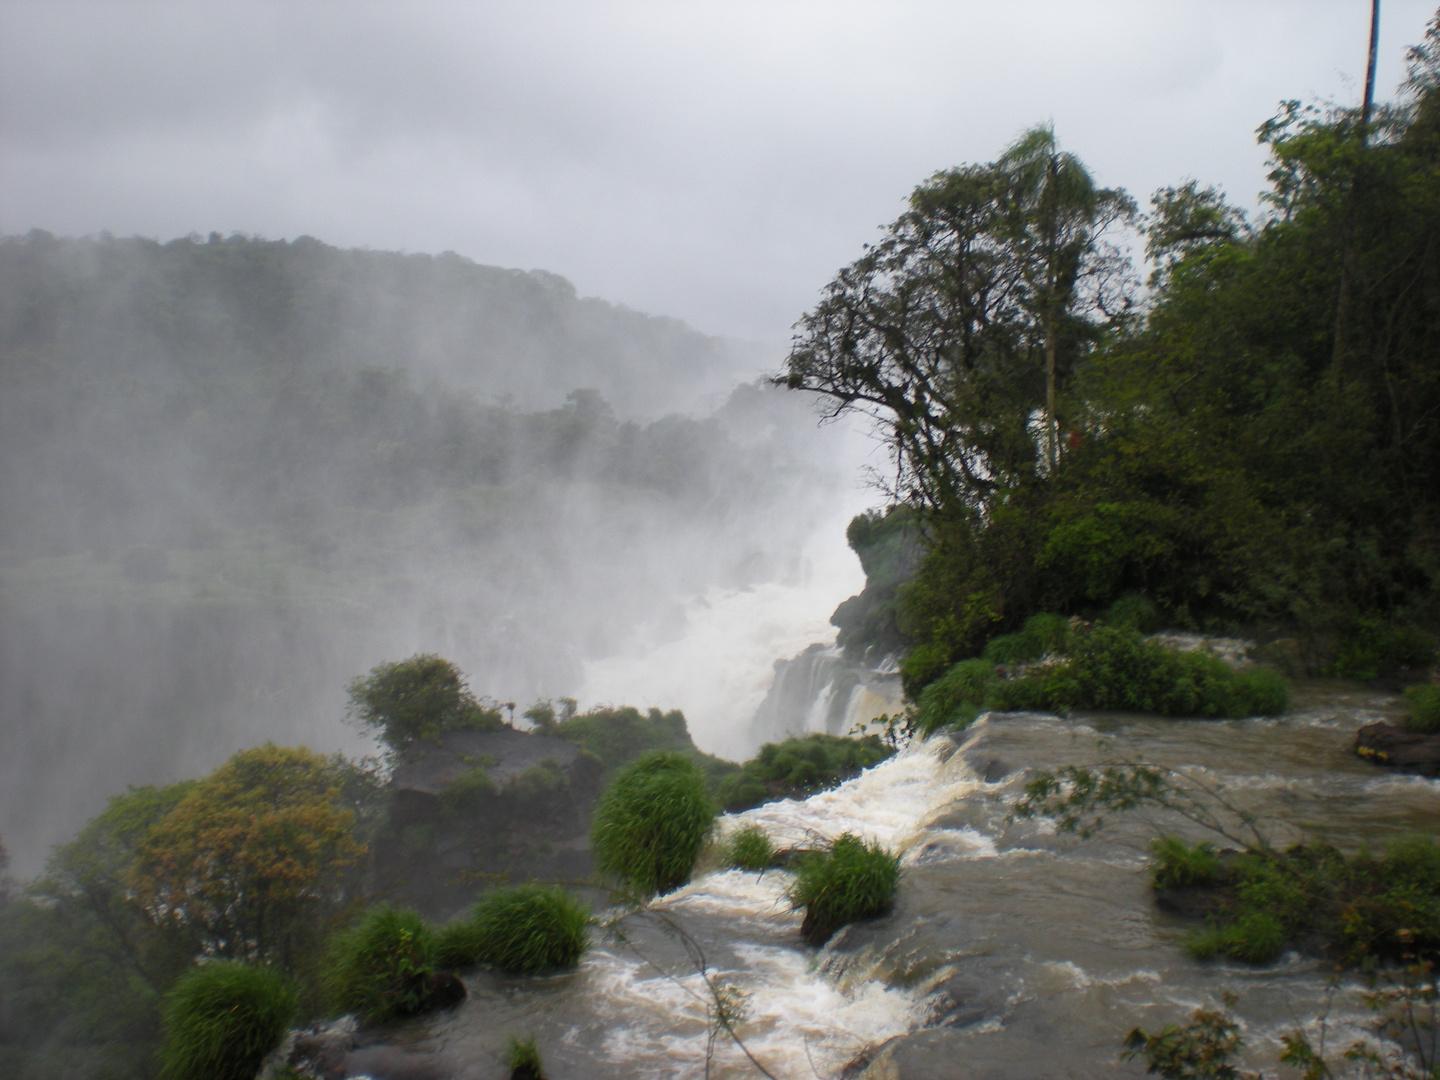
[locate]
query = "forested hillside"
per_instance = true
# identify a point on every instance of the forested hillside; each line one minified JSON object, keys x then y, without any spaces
{"x":234,"y":472}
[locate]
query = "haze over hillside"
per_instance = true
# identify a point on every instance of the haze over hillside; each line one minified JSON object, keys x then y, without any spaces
{"x":235,"y":473}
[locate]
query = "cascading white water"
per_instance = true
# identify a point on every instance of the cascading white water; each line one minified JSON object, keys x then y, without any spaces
{"x":1012,"y":951}
{"x":639,"y":1009}
{"x":719,"y":668}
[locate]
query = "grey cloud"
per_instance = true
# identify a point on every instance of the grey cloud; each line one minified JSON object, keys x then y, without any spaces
{"x":711,"y":161}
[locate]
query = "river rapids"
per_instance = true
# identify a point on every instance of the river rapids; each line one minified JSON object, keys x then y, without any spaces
{"x":1013,"y":951}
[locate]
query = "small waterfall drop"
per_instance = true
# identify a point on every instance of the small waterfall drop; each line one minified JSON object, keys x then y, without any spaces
{"x":821,"y":690}
{"x":1008,"y":941}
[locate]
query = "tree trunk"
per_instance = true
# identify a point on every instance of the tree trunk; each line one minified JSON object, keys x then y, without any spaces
{"x":1051,"y":423}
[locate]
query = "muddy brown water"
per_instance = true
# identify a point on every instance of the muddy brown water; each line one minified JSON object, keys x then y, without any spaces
{"x":1012,"y":951}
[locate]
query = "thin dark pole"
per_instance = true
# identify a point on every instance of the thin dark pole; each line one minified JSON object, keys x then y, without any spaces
{"x":1369,"y":106}
{"x":1342,"y":300}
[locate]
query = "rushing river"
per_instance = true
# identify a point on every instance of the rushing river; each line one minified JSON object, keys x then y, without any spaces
{"x":1012,"y":951}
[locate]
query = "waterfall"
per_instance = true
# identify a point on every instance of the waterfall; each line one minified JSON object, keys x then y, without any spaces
{"x":821,"y":690}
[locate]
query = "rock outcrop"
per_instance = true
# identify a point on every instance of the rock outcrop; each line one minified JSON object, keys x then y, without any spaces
{"x":1408,"y":751}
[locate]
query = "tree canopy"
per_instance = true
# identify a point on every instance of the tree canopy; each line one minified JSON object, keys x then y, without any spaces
{"x":406,"y":701}
{"x":1256,"y":447}
{"x":960,"y":330}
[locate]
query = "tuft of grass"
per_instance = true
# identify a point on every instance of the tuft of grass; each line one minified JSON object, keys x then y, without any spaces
{"x":1423,"y":703}
{"x":222,"y":1019}
{"x":749,"y":848}
{"x":522,"y":1058}
{"x":652,"y":821}
{"x":1178,"y":865}
{"x":1257,"y":937}
{"x":848,"y":881}
{"x":524,"y":930}
{"x":382,"y":967}
{"x":955,"y":699}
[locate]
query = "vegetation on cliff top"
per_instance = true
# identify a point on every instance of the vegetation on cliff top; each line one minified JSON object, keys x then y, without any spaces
{"x":1238,"y":448}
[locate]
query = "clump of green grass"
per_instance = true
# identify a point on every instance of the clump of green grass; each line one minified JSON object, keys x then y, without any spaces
{"x":749,"y":848}
{"x":848,"y":881}
{"x":522,"y":1058}
{"x":1423,"y":704}
{"x":1041,"y":635}
{"x":382,"y":967}
{"x":798,"y":768}
{"x":652,"y":821}
{"x":1116,"y":668}
{"x":1359,"y":910}
{"x":956,"y":698}
{"x":222,"y":1019}
{"x":1178,"y":865}
{"x":523,"y":930}
{"x":1134,"y":611}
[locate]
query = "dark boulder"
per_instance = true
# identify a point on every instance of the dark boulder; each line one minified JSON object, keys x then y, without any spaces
{"x":1408,"y":751}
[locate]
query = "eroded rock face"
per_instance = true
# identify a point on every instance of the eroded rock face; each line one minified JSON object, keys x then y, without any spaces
{"x":1408,"y":751}
{"x":475,"y":809}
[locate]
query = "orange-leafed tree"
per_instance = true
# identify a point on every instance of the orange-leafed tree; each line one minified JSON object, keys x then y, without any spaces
{"x":259,"y":859}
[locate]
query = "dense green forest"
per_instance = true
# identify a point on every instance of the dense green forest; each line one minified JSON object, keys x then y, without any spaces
{"x":1250,"y":439}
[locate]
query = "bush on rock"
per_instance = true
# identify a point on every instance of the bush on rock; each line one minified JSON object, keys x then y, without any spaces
{"x":222,"y":1019}
{"x":848,"y":881}
{"x":652,"y":821}
{"x":523,"y":930}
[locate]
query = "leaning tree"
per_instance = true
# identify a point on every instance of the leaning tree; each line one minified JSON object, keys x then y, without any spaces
{"x":959,"y":331}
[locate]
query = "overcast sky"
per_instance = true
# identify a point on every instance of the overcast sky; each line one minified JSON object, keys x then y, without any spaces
{"x":712,"y":161}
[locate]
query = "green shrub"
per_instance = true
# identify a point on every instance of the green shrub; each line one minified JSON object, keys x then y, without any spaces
{"x":522,"y":1058}
{"x":1259,"y":691}
{"x":922,"y":665}
{"x":222,"y":1019}
{"x":1371,"y":648}
{"x":1115,"y":668}
{"x":848,"y":881}
{"x":467,"y":794}
{"x":652,"y":821}
{"x":1178,"y":865}
{"x":1134,"y":612}
{"x":749,"y":848}
{"x":740,"y":791}
{"x":407,"y":701}
{"x":382,"y":967}
{"x":618,"y":736}
{"x":1041,"y":636}
{"x":523,"y":930}
{"x":798,"y":768}
{"x":1423,"y":703}
{"x":954,"y":699}
{"x":538,"y":783}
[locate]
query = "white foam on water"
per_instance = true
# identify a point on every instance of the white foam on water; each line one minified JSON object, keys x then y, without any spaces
{"x":797,"y":1018}
{"x":890,"y":803}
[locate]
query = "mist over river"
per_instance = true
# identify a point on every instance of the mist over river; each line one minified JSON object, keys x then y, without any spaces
{"x":236,"y":474}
